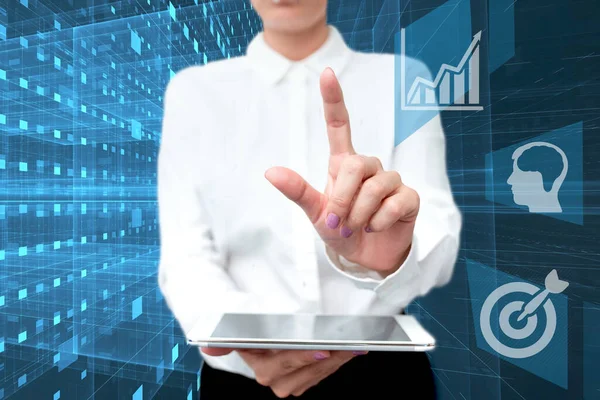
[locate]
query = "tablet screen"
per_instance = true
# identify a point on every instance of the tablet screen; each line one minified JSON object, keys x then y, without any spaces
{"x":309,"y":328}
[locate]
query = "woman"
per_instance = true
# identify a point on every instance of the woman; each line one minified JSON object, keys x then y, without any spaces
{"x":247,"y":145}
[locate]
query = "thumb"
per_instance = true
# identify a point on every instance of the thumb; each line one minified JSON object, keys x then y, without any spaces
{"x":295,"y":188}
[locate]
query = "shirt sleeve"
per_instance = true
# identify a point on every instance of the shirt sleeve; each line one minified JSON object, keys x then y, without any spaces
{"x":421,"y":161}
{"x":192,"y":272}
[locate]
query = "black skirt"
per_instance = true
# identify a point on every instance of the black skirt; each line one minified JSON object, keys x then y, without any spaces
{"x":376,"y":375}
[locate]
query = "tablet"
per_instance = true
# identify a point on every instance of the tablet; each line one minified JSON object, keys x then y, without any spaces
{"x":312,"y":332}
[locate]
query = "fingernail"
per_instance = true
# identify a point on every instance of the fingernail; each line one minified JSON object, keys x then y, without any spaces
{"x":320,"y":356}
{"x":332,"y":221}
{"x":346,"y":232}
{"x":359,"y":353}
{"x":368,"y":229}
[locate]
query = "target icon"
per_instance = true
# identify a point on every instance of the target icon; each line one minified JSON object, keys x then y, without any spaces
{"x":539,"y":303}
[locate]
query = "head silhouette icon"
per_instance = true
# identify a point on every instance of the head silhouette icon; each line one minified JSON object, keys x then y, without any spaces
{"x":528,"y":186}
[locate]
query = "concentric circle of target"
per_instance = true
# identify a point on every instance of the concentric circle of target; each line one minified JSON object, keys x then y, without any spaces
{"x":510,"y":331}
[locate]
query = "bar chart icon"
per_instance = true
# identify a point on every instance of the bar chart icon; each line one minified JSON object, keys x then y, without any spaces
{"x":454,"y":87}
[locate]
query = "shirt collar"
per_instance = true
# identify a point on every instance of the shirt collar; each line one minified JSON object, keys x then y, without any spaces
{"x":272,"y":66}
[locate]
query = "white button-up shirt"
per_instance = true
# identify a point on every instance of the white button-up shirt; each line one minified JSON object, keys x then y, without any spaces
{"x":231,"y":242}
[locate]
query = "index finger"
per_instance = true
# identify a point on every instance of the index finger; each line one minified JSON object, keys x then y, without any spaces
{"x":336,"y":114}
{"x":270,"y":367}
{"x":216,"y":351}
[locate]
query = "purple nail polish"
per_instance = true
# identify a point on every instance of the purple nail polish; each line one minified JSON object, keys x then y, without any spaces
{"x":346,"y":232}
{"x":359,"y":353}
{"x":368,"y":229}
{"x":320,"y":356}
{"x":332,"y":221}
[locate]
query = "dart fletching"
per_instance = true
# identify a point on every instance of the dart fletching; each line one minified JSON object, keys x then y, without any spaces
{"x":553,"y":284}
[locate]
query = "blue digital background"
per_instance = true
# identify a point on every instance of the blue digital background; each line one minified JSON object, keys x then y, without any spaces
{"x":591,"y":350}
{"x":81,"y":92}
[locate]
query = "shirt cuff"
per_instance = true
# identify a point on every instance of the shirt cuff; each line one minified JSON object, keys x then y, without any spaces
{"x":364,"y":278}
